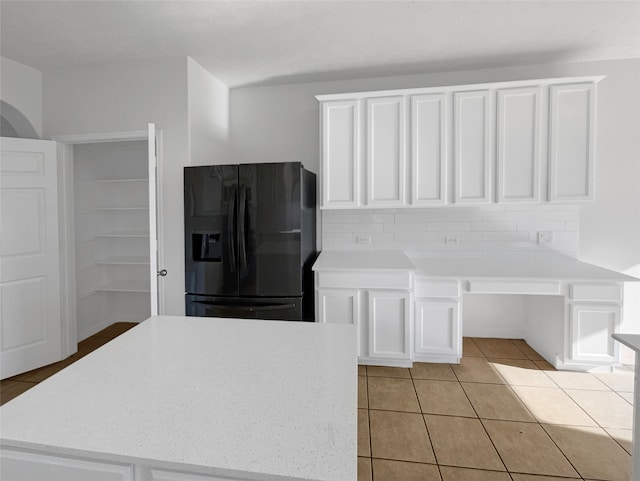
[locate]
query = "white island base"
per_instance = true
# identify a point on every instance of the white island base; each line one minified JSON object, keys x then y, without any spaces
{"x":193,"y":399}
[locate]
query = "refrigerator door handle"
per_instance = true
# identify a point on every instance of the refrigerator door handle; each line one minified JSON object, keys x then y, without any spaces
{"x":231,"y":231}
{"x":268,"y":307}
{"x":242,"y":221}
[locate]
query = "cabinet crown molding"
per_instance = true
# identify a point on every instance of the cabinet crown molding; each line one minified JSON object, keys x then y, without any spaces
{"x":463,"y":87}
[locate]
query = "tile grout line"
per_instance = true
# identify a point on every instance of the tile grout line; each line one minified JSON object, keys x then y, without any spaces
{"x":426,"y":427}
{"x":481,"y":423}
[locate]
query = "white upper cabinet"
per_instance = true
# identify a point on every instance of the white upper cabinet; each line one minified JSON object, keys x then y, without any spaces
{"x":518,"y":144}
{"x":429,"y":149}
{"x":472,"y":136}
{"x":386,"y":162}
{"x":571,"y":141}
{"x":524,"y":141}
{"x":340,"y":154}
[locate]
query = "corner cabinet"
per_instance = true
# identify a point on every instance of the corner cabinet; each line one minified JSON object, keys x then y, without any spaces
{"x":507,"y":142}
{"x":378,"y":303}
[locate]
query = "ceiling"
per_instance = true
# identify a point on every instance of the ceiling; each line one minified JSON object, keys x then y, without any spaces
{"x":269,"y":42}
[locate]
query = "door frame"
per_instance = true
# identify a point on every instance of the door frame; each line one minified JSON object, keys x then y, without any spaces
{"x":67,"y":224}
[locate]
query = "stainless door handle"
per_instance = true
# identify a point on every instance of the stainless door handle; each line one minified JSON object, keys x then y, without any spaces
{"x":162,"y":273}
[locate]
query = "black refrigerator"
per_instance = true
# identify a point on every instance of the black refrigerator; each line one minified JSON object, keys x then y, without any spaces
{"x":250,"y":241}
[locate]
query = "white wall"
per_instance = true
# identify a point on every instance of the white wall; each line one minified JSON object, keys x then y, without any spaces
{"x":125,"y":97}
{"x":21,"y":87}
{"x":280,"y":123}
{"x":208,"y":129}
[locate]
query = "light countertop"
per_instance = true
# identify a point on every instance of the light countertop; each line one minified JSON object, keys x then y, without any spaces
{"x":253,"y":399}
{"x":630,"y":340}
{"x":567,"y":270}
{"x":363,"y":261}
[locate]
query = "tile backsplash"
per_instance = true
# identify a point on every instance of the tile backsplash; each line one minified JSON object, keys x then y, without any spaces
{"x":489,"y":232}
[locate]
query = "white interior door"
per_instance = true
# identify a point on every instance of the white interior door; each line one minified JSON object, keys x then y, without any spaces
{"x":153,"y":221}
{"x":30,"y":321}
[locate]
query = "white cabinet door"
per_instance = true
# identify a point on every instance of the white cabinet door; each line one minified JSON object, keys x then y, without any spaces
{"x":429,"y":124}
{"x":338,"y":306}
{"x":437,"y":327}
{"x":518,"y":144}
{"x":590,"y":332}
{"x":27,"y":466}
{"x":386,"y":162}
{"x":571,"y":141}
{"x":162,"y":475}
{"x":389,"y":325}
{"x":472,"y":149}
{"x":340,"y":154}
{"x":30,"y":319}
{"x":342,"y":306}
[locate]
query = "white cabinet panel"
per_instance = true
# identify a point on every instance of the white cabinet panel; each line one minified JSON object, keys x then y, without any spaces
{"x":611,"y":292}
{"x":343,"y":306}
{"x":472,"y":135}
{"x":338,"y":306}
{"x":571,"y":141}
{"x":437,"y":327}
{"x":25,"y":466}
{"x":389,"y":329}
{"x":340,"y":153}
{"x":591,"y":330}
{"x":518,"y":149}
{"x":162,"y":475}
{"x":428,"y":149}
{"x":386,"y":163}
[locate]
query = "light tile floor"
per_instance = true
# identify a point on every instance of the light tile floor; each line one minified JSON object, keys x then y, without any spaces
{"x":502,"y":414}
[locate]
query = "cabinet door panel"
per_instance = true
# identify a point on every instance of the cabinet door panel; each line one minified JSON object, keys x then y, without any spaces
{"x":343,"y":306}
{"x":518,"y":139}
{"x":385,"y":151}
{"x":389,"y":330}
{"x":472,"y":146}
{"x":571,"y":141}
{"x":428,"y":149}
{"x":437,"y":327}
{"x":340,"y":153}
{"x":591,"y":329}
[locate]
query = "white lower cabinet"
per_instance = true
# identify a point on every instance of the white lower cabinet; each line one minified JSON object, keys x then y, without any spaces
{"x":379,"y":304}
{"x":161,"y":475}
{"x":343,"y":306}
{"x":18,"y":465}
{"x":591,"y":327}
{"x":437,"y":333}
{"x":389,"y":325}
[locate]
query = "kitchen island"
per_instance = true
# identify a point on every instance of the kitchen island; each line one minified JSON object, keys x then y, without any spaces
{"x":188,"y":398}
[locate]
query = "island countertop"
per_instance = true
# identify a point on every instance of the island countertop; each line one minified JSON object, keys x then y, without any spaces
{"x":227,"y":397}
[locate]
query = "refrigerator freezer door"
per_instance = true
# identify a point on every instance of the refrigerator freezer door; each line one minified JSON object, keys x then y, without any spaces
{"x":269,"y":230}
{"x":286,"y":309}
{"x":210,"y":213}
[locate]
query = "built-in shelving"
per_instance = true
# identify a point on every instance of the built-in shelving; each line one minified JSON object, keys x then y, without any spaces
{"x":142,"y":207}
{"x":124,"y":260}
{"x":112,"y":234}
{"x":125,"y":286}
{"x":124,"y":233}
{"x":110,"y":181}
